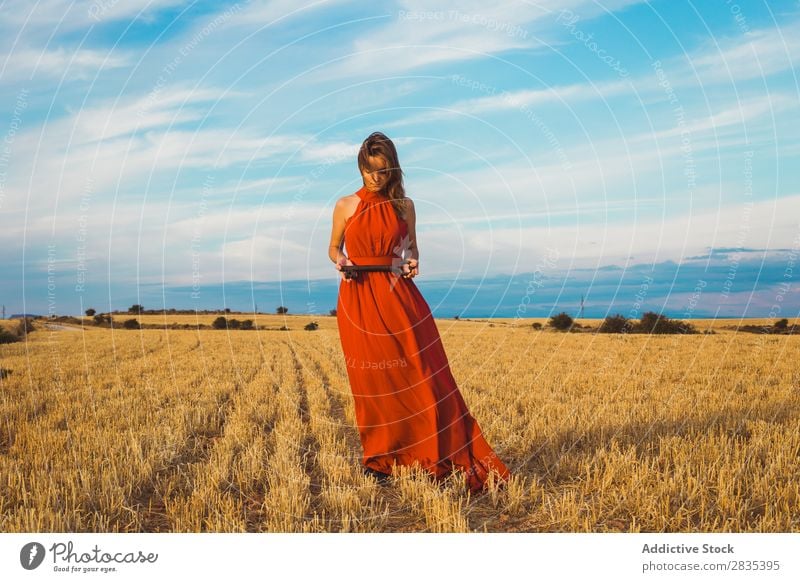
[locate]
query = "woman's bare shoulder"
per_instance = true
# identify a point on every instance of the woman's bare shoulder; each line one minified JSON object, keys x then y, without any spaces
{"x":346,"y":206}
{"x":348,"y":201}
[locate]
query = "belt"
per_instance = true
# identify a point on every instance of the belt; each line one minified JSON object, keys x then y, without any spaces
{"x":376,"y":260}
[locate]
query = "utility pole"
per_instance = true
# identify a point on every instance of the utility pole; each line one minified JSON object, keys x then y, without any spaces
{"x":4,"y":311}
{"x":580,"y":313}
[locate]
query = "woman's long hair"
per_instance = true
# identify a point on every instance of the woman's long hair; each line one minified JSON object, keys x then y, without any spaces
{"x":377,"y":144}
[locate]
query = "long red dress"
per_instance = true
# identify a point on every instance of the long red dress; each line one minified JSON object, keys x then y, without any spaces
{"x":407,"y":404}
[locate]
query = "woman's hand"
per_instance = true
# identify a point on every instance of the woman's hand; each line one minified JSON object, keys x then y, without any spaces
{"x":410,"y":268}
{"x":339,"y":263}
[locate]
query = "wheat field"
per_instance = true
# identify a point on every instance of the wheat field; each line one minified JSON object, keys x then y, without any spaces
{"x":113,"y":430}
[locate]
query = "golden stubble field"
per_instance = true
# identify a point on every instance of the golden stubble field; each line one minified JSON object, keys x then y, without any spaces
{"x":232,"y":431}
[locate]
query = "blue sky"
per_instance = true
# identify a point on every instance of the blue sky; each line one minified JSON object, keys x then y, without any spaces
{"x":189,"y":154}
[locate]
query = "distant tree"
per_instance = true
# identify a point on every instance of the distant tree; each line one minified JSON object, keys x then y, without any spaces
{"x":8,"y":337}
{"x":220,"y":323}
{"x":652,"y":322}
{"x":311,"y":326}
{"x":284,"y":328}
{"x":616,"y":324}
{"x":561,"y":322}
{"x":782,"y":324}
{"x":136,"y":308}
{"x":656,"y":323}
{"x":90,"y":312}
{"x":24,"y":327}
{"x":282,"y":310}
{"x":100,"y":319}
{"x":131,"y":324}
{"x":234,"y":323}
{"x":248,"y":324}
{"x":332,"y":312}
{"x":456,"y":317}
{"x":536,"y":325}
{"x":227,"y":310}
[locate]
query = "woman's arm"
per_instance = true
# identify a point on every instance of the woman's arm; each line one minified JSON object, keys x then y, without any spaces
{"x":411,"y":221}
{"x":337,"y":233}
{"x":335,"y":253}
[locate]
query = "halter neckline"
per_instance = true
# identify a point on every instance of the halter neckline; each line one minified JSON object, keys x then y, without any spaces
{"x":370,"y":196}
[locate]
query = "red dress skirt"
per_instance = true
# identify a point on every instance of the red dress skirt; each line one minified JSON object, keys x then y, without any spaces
{"x":407,"y":404}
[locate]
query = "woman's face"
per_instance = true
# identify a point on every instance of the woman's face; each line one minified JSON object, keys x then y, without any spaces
{"x":378,"y":178}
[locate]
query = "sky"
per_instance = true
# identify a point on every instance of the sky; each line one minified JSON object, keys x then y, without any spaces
{"x":581,"y":156}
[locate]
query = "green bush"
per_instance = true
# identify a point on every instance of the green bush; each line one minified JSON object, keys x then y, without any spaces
{"x":561,"y":322}
{"x":656,"y":323}
{"x":21,"y":330}
{"x":616,"y":324}
{"x":131,"y":324}
{"x":7,"y":337}
{"x":101,"y":319}
{"x":24,"y":327}
{"x":224,"y":323}
{"x":311,"y":326}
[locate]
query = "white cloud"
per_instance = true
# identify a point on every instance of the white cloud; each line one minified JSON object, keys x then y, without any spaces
{"x":70,"y":15}
{"x":274,"y":254}
{"x":317,"y":152}
{"x":516,"y":100}
{"x":157,"y":109}
{"x":288,"y":241}
{"x":768,"y":224}
{"x":419,"y":34}
{"x":755,"y":54}
{"x":79,"y":64}
{"x":257,"y":13}
{"x":106,"y":148}
{"x":115,"y":145}
{"x":737,"y":115}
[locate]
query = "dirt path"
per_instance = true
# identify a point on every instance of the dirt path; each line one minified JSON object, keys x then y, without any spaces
{"x":58,"y":327}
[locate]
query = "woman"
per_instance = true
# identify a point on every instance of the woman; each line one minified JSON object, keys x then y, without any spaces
{"x":408,"y":407}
